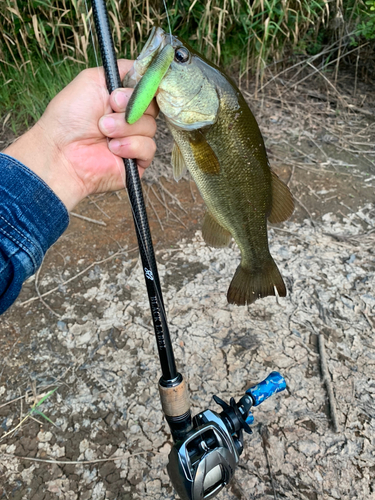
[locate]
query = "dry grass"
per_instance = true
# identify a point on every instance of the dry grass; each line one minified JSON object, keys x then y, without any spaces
{"x":260,"y":30}
{"x":45,"y":43}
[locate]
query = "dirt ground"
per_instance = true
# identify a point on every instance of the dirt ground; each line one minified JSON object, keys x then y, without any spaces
{"x":82,"y":325}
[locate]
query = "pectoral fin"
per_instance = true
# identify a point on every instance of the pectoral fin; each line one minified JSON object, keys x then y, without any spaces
{"x":214,"y":234}
{"x":204,"y":155}
{"x":282,"y":201}
{"x":178,"y":163}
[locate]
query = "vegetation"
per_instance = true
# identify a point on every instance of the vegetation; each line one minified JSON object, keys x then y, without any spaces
{"x":44,"y":43}
{"x":33,"y":411}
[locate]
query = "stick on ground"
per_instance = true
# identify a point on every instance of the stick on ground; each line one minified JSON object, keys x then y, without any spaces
{"x":327,"y":381}
{"x":264,"y":432}
{"x":83,"y":217}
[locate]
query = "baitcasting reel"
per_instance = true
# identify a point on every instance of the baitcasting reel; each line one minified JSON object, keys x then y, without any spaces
{"x":205,"y":461}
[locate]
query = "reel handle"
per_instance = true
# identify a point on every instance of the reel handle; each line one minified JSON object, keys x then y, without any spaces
{"x":274,"y":383}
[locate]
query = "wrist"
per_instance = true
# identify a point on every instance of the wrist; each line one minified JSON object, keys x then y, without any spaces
{"x":38,"y":151}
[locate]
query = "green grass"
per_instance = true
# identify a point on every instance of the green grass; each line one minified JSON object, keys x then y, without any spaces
{"x":44,"y":43}
{"x":34,"y":410}
{"x":25,"y":94}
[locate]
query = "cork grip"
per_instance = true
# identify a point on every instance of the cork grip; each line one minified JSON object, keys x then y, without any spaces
{"x":175,"y":400}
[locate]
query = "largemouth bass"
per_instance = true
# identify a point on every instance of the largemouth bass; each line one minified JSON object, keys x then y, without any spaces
{"x":218,"y":140}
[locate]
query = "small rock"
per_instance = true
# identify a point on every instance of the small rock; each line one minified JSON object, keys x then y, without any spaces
{"x":154,"y":486}
{"x":308,"y":447}
{"x":62,"y":326}
{"x":44,"y":437}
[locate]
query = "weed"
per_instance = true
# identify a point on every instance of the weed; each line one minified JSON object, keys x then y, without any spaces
{"x":33,"y":410}
{"x":55,"y":34}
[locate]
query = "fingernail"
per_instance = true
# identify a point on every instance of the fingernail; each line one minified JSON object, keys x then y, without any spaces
{"x":121,"y":99}
{"x":108,"y":124}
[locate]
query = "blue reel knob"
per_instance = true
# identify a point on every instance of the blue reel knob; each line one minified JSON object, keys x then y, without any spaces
{"x":271,"y":385}
{"x":250,"y":419}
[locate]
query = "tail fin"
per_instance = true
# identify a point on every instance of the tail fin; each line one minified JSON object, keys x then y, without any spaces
{"x":249,"y":285}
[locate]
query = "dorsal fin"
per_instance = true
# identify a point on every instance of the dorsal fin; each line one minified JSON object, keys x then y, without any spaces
{"x":204,"y":155}
{"x":178,"y":163}
{"x":282,"y":201}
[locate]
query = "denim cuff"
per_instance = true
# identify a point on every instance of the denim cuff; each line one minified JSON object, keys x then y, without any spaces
{"x":32,"y":218}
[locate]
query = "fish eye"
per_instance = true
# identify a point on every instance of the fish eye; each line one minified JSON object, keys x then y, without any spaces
{"x":181,"y":55}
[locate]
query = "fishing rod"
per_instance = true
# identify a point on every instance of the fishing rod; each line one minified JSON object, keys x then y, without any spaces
{"x":206,"y":448}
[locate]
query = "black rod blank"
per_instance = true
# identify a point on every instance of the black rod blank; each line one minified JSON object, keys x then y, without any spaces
{"x":133,"y":185}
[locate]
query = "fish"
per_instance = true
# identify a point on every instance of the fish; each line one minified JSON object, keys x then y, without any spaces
{"x":217,"y":139}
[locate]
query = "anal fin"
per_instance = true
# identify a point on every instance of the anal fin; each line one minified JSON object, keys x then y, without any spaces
{"x":282,"y":201}
{"x":214,"y":234}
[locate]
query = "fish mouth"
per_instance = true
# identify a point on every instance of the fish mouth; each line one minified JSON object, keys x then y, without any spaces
{"x":157,"y":40}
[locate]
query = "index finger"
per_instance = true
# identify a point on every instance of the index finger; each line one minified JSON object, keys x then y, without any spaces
{"x":119,"y":99}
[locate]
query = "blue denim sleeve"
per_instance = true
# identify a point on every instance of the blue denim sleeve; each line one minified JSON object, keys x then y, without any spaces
{"x":32,"y":218}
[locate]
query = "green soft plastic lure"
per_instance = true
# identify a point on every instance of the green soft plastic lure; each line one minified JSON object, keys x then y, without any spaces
{"x":146,"y":88}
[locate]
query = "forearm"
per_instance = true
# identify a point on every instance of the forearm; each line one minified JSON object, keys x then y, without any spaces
{"x":39,"y":151}
{"x":32,"y":218}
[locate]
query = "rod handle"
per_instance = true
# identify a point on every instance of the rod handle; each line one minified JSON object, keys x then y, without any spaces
{"x":175,"y":400}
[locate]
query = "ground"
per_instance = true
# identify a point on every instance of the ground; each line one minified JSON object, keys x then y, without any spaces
{"x":82,"y":325}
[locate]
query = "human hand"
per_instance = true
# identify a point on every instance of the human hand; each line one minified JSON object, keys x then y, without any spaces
{"x":68,"y":147}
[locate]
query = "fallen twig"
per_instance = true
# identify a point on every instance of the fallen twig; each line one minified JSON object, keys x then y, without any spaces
{"x":172,"y":196}
{"x":76,"y":462}
{"x":305,"y":208}
{"x":154,"y":210}
{"x":39,"y":295}
{"x":327,"y":381}
{"x":29,"y":414}
{"x":94,"y":221}
{"x":97,"y":206}
{"x":330,"y":99}
{"x":167,"y":208}
{"x":75,"y":276}
{"x":263,"y":430}
{"x":356,"y":215}
{"x":318,"y":70}
{"x":12,"y":401}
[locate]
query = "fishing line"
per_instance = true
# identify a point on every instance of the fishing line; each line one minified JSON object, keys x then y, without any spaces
{"x":104,"y":93}
{"x":169,"y":24}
